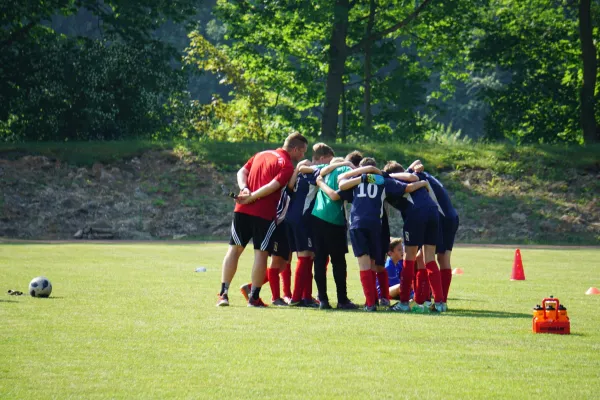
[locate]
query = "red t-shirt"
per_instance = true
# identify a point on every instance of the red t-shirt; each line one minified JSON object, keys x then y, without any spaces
{"x":264,"y":167}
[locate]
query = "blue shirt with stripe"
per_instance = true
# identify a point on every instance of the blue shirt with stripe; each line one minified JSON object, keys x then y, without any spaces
{"x":441,"y":194}
{"x":367,"y":201}
{"x":303,"y":197}
{"x":409,"y":202}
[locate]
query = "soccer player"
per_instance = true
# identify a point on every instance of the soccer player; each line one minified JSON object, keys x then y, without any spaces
{"x":420,"y":214}
{"x":393,"y":266}
{"x":329,"y":240}
{"x":304,"y":190}
{"x":368,"y":194}
{"x":447,"y":228}
{"x":260,"y":181}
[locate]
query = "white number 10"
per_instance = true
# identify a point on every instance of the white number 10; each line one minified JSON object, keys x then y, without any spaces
{"x":371,"y":190}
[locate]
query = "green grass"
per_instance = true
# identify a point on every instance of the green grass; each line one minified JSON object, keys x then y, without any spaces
{"x":136,"y":321}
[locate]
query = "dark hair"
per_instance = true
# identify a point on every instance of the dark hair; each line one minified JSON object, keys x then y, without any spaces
{"x":354,"y":157}
{"x":392,"y":167}
{"x":295,"y":140}
{"x":368,"y":161}
{"x":322,"y":150}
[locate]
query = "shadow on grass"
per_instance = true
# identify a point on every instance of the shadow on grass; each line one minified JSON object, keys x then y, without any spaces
{"x":486,"y":314}
{"x":8,"y":301}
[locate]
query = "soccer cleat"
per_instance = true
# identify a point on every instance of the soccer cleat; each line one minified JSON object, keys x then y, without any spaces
{"x":419,"y":309}
{"x":436,"y":307}
{"x":384,"y":302}
{"x":324,"y":305}
{"x":400,"y":307}
{"x":311,"y":303}
{"x":347,"y":305}
{"x":279,"y":303}
{"x":223,"y":301}
{"x":245,"y":290}
{"x":427,"y":303}
{"x":256,"y":303}
{"x":444,"y":307}
{"x":299,"y":303}
{"x":287,"y":299}
{"x":372,"y":308}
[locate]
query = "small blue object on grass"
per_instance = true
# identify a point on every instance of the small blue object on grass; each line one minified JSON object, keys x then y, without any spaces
{"x":201,"y":269}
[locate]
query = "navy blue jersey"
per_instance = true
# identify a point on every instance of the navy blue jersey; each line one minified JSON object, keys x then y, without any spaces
{"x":303,"y":196}
{"x":409,"y":202}
{"x":440,"y":193}
{"x":367,"y":201}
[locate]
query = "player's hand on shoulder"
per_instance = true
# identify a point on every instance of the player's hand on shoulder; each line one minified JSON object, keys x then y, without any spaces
{"x":419,"y":168}
{"x":303,"y":163}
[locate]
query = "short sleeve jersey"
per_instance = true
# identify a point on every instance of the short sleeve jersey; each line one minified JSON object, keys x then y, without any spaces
{"x":327,"y":209}
{"x":367,"y":201}
{"x":303,"y":196}
{"x":265,"y":167}
{"x":441,"y":194}
{"x":409,"y":202}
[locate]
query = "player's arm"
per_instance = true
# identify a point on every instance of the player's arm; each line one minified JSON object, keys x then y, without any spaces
{"x":331,"y":167}
{"x":242,"y":179}
{"x":350,"y":183}
{"x":414,"y":164}
{"x":302,"y":164}
{"x":264,"y":191}
{"x":411,"y":187}
{"x":404,"y":176}
{"x":332,"y":194}
{"x":369,"y":169}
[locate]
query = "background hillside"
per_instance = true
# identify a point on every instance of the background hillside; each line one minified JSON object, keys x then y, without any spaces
{"x":145,"y":190}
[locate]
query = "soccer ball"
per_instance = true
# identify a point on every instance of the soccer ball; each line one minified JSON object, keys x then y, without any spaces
{"x":40,"y":287}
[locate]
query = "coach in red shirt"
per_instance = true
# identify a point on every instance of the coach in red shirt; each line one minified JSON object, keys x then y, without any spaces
{"x":260,"y":180}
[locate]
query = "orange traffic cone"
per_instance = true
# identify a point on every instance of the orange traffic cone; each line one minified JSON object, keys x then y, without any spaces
{"x":457,"y":271}
{"x":593,"y":290}
{"x":517,"y":272}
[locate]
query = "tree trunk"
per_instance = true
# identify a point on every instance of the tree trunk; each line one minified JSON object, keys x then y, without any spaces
{"x":344,"y":116}
{"x":368,"y":48}
{"x":338,"y":52}
{"x":588,"y":53}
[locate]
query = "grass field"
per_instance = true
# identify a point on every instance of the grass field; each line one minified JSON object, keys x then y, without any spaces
{"x":136,"y":321}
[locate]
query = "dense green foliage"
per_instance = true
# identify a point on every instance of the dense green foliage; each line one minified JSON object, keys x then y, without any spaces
{"x":362,"y":70}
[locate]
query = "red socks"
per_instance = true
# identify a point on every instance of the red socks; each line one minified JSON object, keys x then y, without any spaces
{"x":446,"y":279}
{"x":286,"y":277}
{"x":273,"y":275}
{"x":384,"y":284}
{"x":435,"y":281}
{"x":302,"y":278}
{"x":369,"y":288}
{"x":406,"y":280}
{"x":421,"y":287}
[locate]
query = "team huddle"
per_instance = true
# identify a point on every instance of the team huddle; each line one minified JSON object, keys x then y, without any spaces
{"x":286,"y":209}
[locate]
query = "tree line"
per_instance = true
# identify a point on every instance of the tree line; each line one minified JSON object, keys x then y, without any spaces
{"x":342,"y":70}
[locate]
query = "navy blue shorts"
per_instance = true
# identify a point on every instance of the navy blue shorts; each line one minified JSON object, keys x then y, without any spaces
{"x":299,"y":236}
{"x":447,"y":233}
{"x":367,"y":242}
{"x":421,"y":227}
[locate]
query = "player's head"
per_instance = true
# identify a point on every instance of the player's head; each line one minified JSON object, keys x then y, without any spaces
{"x":396,"y":250}
{"x":367,"y":161}
{"x":392,"y":167}
{"x":322,"y":154}
{"x":355,"y":157}
{"x":295,"y":144}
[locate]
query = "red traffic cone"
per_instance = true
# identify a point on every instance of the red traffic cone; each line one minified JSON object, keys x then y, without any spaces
{"x":457,"y":271}
{"x":593,"y":290}
{"x":517,"y":272}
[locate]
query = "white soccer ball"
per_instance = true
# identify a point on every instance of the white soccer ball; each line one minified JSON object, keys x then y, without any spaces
{"x":40,"y":287}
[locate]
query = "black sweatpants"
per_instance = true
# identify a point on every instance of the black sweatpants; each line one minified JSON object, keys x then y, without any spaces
{"x":330,"y":240}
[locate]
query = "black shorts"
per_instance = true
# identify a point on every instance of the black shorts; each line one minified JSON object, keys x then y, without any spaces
{"x":280,"y":245}
{"x":245,"y":227}
{"x":421,"y":227}
{"x":446,"y":235}
{"x":329,"y":238}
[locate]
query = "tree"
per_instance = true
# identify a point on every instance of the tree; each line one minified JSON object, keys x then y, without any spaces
{"x":590,"y":71}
